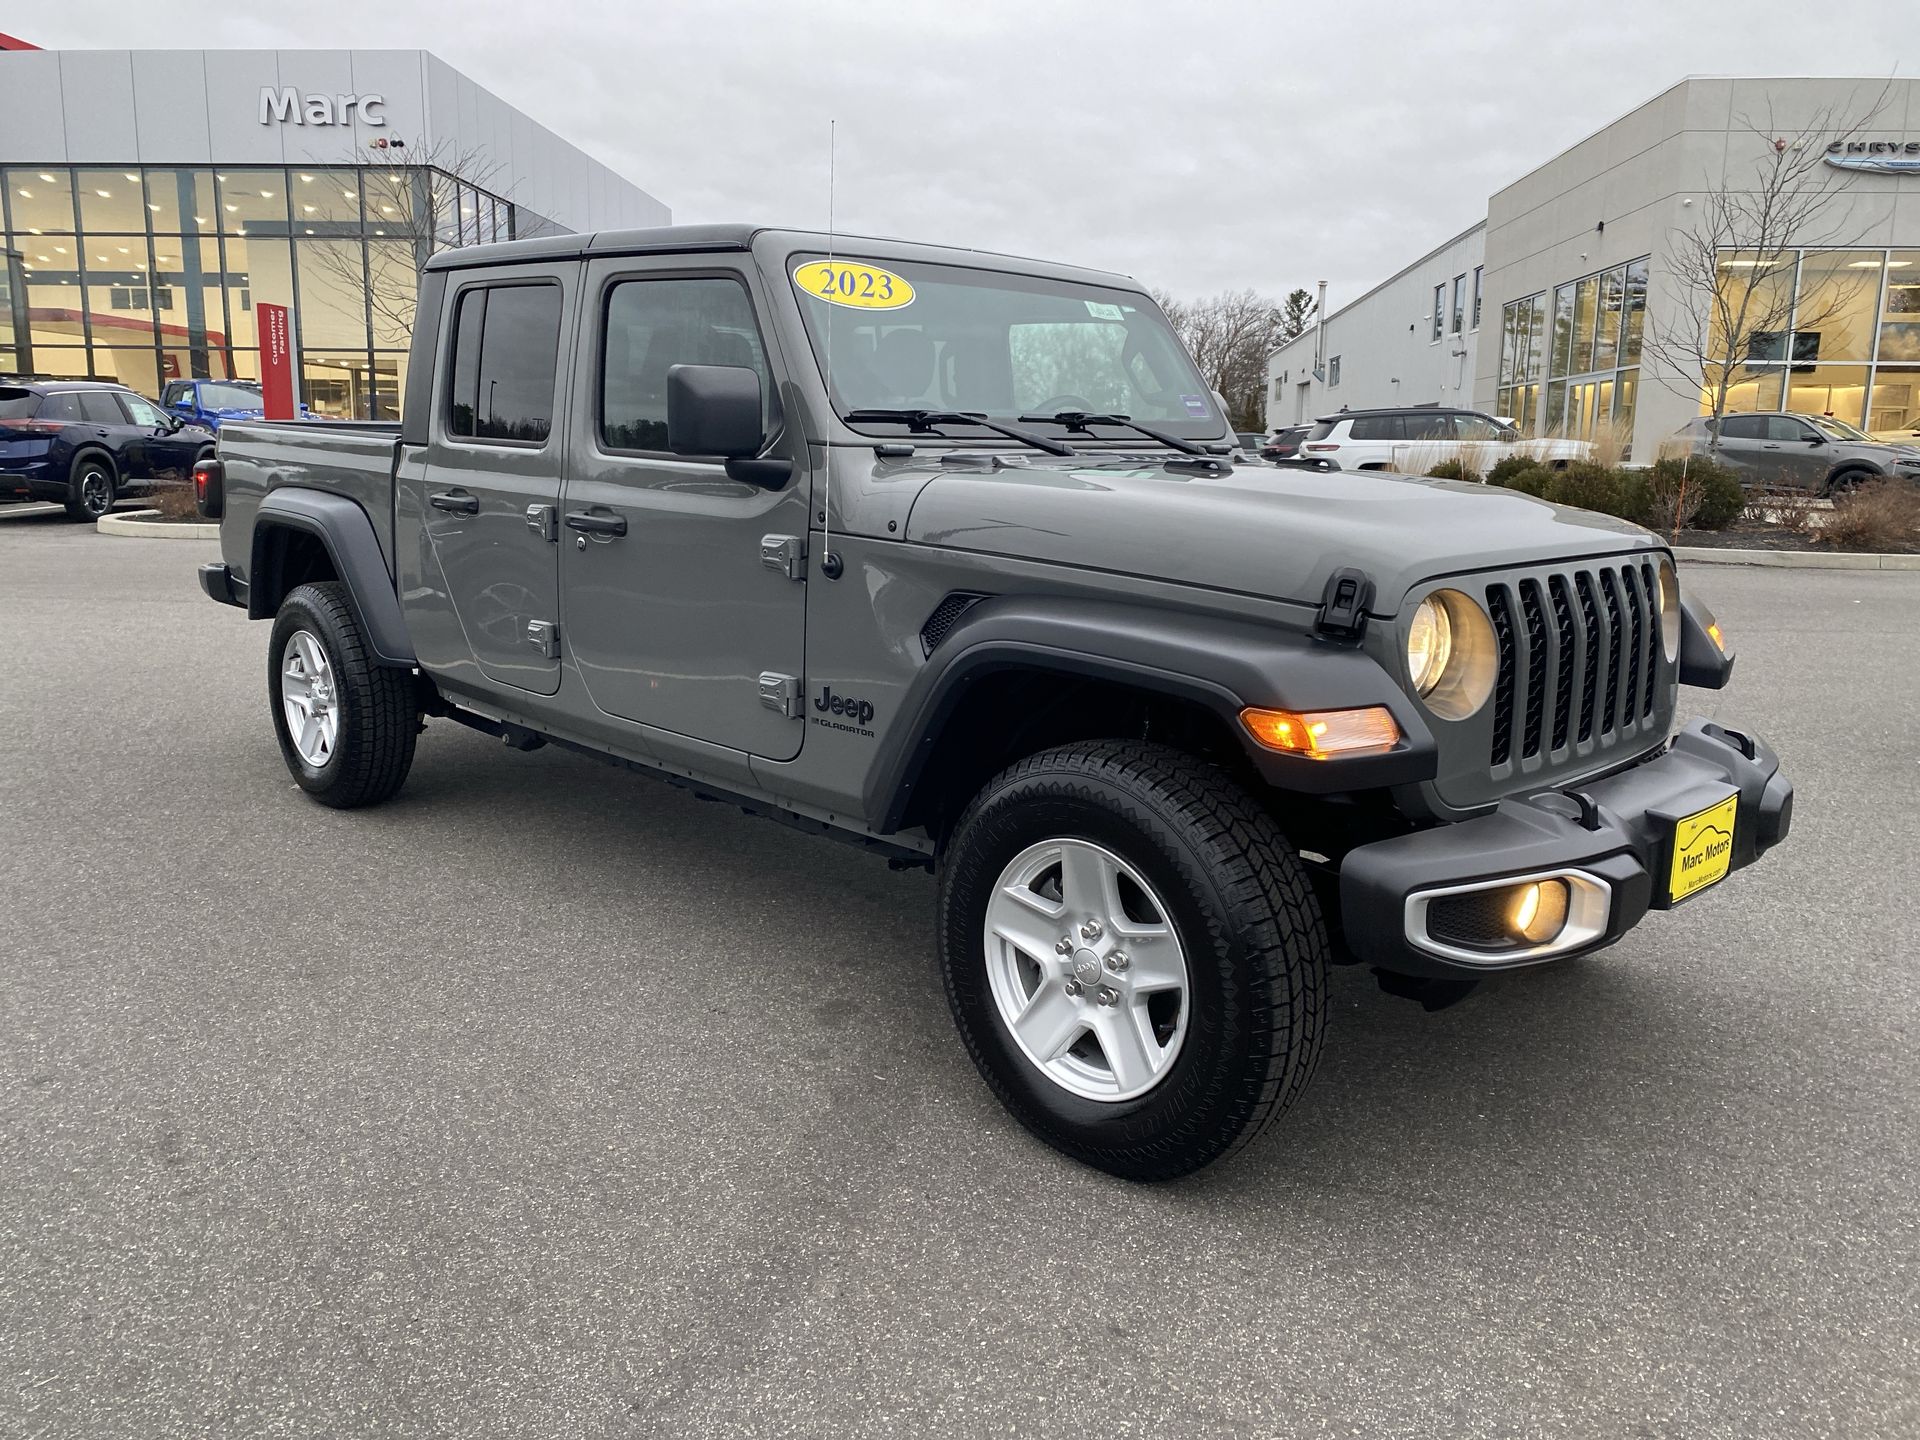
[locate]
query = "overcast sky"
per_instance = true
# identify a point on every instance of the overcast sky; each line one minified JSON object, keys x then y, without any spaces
{"x":1196,"y":145}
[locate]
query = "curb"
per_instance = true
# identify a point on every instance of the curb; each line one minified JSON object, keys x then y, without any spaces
{"x":135,"y":522}
{"x":1796,"y":559}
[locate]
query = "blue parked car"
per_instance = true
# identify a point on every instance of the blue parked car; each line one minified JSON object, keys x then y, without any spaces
{"x":208,"y":402}
{"x":85,"y":443}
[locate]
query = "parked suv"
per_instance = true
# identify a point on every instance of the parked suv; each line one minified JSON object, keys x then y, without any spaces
{"x":1285,"y":444}
{"x":1421,"y":437}
{"x":209,"y":402}
{"x":85,"y":443}
{"x":1779,"y":448}
{"x":925,"y":549}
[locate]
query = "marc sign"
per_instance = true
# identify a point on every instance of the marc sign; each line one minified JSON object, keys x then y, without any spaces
{"x":1878,"y":157}
{"x":287,"y":106}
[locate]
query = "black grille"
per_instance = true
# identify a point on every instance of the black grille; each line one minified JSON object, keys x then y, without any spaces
{"x":1503,"y":688}
{"x":945,"y":616}
{"x":1579,"y":660}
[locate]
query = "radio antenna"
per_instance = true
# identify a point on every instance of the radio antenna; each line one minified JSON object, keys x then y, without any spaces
{"x":829,"y":566}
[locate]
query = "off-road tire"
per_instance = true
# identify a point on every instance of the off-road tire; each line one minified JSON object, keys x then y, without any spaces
{"x":90,"y":472}
{"x":1255,"y":943}
{"x":379,"y":712}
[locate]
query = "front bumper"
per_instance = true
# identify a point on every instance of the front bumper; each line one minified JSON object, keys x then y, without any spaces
{"x":1616,"y":831}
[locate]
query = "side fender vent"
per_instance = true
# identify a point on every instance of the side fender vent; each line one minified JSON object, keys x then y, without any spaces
{"x":945,"y":616}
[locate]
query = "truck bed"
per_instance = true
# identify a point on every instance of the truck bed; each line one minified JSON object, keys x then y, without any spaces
{"x":350,"y":458}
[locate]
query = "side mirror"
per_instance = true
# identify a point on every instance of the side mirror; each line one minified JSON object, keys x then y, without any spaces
{"x":716,"y":410}
{"x":1816,"y":439}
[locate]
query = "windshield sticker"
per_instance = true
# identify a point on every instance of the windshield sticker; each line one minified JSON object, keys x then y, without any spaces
{"x":1103,"y":312}
{"x":1196,"y":405}
{"x":860,"y":287}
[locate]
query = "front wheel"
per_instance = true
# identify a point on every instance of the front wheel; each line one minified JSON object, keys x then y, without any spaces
{"x":1133,"y":956}
{"x":346,"y":724}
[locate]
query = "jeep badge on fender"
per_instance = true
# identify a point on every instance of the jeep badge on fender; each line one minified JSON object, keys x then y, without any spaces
{"x":1121,"y":726}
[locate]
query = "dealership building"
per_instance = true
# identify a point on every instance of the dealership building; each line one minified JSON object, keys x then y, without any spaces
{"x":153,"y":198}
{"x":1561,"y":308}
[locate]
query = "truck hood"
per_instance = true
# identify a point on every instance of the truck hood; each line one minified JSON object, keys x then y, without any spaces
{"x":1276,"y":533}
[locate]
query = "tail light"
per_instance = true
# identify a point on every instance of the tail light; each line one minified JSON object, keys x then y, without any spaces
{"x":30,"y":427}
{"x":209,"y":488}
{"x":1319,"y":447}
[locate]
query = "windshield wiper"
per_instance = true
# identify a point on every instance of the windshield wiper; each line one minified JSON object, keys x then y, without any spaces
{"x":922,"y":422}
{"x":1077,"y":422}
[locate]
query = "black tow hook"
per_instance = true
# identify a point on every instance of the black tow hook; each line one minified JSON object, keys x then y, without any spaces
{"x":1432,"y":992}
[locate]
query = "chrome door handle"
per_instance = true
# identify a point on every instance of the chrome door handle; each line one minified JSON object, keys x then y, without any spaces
{"x":596,"y":524}
{"x":455,"y":500}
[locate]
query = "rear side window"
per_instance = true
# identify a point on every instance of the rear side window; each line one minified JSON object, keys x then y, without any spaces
{"x":1429,"y":427}
{"x":1744,"y":427}
{"x":17,"y":404}
{"x":653,"y":325}
{"x":62,"y":406}
{"x":99,"y":408}
{"x":1320,"y":431}
{"x":1379,"y":427}
{"x":506,"y":351}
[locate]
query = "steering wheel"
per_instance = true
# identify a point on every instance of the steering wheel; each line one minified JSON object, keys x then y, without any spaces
{"x":1066,"y":402}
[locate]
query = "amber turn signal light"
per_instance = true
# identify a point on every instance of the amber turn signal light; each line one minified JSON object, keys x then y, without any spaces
{"x":1713,"y":634}
{"x":1323,"y":734}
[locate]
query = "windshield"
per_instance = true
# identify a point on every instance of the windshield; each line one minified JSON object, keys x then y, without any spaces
{"x":230,"y":397}
{"x":1007,"y":346}
{"x":1837,"y":429}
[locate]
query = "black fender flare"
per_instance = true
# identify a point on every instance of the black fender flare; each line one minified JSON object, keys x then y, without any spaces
{"x":1222,"y":664}
{"x":1702,"y":662}
{"x":346,"y":532}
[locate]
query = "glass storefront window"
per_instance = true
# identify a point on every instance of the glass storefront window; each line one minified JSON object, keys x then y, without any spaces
{"x":1753,"y":297}
{"x":257,"y":270}
{"x":1893,"y":412}
{"x":392,"y":282}
{"x":389,"y":384}
{"x":1753,"y":388}
{"x":1562,"y":328}
{"x":186,"y":272}
{"x":1606,"y":338}
{"x":1633,"y":317}
{"x":1586,"y":296}
{"x":61,"y":362}
{"x":253,"y":202}
{"x":1900,"y":312}
{"x":112,"y":202}
{"x":1626,"y":393}
{"x":41,"y":201}
{"x":1836,"y":390}
{"x":388,"y":197}
{"x":181,"y":202}
{"x":326,"y":202}
{"x":333,"y":293}
{"x":335,"y":385}
{"x":1838,"y":299}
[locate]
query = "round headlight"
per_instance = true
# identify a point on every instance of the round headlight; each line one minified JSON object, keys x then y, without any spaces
{"x":1429,"y":643}
{"x":1452,"y":655}
{"x":1669,"y":610}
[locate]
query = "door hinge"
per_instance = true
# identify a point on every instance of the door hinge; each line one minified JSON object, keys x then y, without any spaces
{"x":786,"y":554}
{"x":780,"y":692}
{"x":544,"y":521}
{"x":544,"y":636}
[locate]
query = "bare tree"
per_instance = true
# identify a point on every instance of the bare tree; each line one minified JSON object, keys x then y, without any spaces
{"x":1230,"y":336}
{"x":1733,"y":268}
{"x":413,"y":207}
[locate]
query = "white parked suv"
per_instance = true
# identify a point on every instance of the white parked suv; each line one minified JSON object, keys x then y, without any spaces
{"x":1413,"y":439}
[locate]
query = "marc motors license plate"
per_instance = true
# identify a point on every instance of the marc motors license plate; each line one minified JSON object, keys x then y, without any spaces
{"x":1702,"y":848}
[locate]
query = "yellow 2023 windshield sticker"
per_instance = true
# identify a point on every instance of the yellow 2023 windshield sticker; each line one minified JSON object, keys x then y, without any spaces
{"x":860,"y":287}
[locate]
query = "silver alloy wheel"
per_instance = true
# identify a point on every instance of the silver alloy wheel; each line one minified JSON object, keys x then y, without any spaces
{"x":309,"y":698}
{"x":96,"y":491}
{"x":1086,"y":969}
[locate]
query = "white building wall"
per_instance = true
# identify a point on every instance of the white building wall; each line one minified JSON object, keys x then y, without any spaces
{"x":193,"y":107}
{"x":1384,"y":342}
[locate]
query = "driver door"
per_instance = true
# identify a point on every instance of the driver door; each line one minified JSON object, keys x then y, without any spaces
{"x":168,"y":453}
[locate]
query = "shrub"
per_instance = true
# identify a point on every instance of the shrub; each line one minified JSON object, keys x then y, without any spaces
{"x":173,"y":500}
{"x":1879,"y":515}
{"x":1503,"y":472}
{"x":1452,"y":470}
{"x":1693,"y":492}
{"x":1595,"y":487}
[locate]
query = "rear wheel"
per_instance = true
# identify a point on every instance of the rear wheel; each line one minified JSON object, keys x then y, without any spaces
{"x":1133,"y":956}
{"x":90,"y":489}
{"x":346,"y":724}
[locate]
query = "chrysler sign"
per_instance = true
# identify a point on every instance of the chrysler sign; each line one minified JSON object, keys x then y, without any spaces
{"x":1878,"y":157}
{"x":288,"y":106}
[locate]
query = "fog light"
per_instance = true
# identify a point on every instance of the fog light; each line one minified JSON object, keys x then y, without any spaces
{"x":1539,"y":911}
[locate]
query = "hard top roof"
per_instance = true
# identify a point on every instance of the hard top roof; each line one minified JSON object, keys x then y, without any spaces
{"x":698,"y":239}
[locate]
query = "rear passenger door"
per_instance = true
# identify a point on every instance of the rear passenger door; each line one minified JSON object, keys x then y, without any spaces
{"x":673,"y":613}
{"x":1746,"y":448}
{"x":492,"y":466}
{"x":102,"y":417}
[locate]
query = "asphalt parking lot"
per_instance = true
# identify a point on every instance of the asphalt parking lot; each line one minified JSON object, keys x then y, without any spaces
{"x":549,"y":1101}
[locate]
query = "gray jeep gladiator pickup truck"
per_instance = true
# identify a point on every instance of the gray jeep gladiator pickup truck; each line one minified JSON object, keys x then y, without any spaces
{"x":940,"y":552}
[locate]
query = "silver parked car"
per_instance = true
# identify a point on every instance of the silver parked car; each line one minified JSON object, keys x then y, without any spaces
{"x":1810,"y":452}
